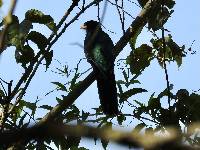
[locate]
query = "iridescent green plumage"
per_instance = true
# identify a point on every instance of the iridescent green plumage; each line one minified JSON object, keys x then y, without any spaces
{"x":98,"y":49}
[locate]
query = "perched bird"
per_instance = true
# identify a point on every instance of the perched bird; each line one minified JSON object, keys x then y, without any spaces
{"x":98,"y":48}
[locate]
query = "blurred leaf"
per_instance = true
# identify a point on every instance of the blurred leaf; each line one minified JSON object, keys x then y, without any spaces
{"x":107,"y":125}
{"x":138,"y":128}
{"x":12,"y":37}
{"x":37,"y":16}
{"x":1,"y":3}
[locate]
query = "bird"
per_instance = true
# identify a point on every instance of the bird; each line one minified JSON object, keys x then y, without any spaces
{"x":98,"y":48}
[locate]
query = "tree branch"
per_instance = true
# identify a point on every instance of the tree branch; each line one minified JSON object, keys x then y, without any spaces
{"x":133,"y":139}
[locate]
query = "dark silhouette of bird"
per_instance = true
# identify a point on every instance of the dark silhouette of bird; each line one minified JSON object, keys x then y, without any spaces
{"x":98,"y":48}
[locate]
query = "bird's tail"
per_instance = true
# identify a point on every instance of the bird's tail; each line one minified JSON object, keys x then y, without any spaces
{"x":107,"y":92}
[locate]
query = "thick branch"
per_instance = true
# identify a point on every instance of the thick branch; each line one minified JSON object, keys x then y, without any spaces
{"x":133,"y":139}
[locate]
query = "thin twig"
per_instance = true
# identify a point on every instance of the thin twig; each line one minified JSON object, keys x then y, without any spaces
{"x":120,"y":16}
{"x":121,"y":9}
{"x":164,"y":61}
{"x":123,"y":17}
{"x":73,"y":5}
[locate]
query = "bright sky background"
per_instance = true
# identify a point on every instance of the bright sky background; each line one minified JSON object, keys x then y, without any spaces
{"x":184,"y":26}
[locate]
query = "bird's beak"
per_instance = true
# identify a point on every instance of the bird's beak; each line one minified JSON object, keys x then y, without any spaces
{"x":83,"y":27}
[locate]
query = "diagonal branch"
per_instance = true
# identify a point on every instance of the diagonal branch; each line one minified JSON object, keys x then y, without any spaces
{"x":79,"y":89}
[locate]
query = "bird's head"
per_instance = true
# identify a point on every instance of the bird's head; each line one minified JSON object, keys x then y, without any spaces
{"x":91,"y":25}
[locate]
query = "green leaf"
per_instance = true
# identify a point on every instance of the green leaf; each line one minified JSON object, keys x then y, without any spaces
{"x":37,"y":16}
{"x":140,"y":58}
{"x":58,"y":100}
{"x":17,"y":112}
{"x":47,"y":107}
{"x":154,"y":103}
{"x":165,"y":92}
{"x":31,"y":106}
{"x":72,"y":142}
{"x":12,"y":37}
{"x":24,"y":27}
{"x":60,"y":86}
{"x":85,"y":115}
{"x":2,"y":93}
{"x":169,"y":3}
{"x":121,"y":118}
{"x":71,"y":115}
{"x":38,"y":39}
{"x":142,"y":2}
{"x":73,"y":81}
{"x":24,"y":55}
{"x":158,"y":15}
{"x":120,"y":82}
{"x":125,"y":76}
{"x":48,"y":55}
{"x":133,"y":81}
{"x":139,"y":103}
{"x":104,"y":144}
{"x":133,"y":39}
{"x":132,"y":92}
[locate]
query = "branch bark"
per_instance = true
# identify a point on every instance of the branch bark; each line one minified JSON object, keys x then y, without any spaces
{"x":133,"y":139}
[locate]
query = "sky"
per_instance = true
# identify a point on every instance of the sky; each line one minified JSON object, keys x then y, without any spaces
{"x":184,"y":26}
